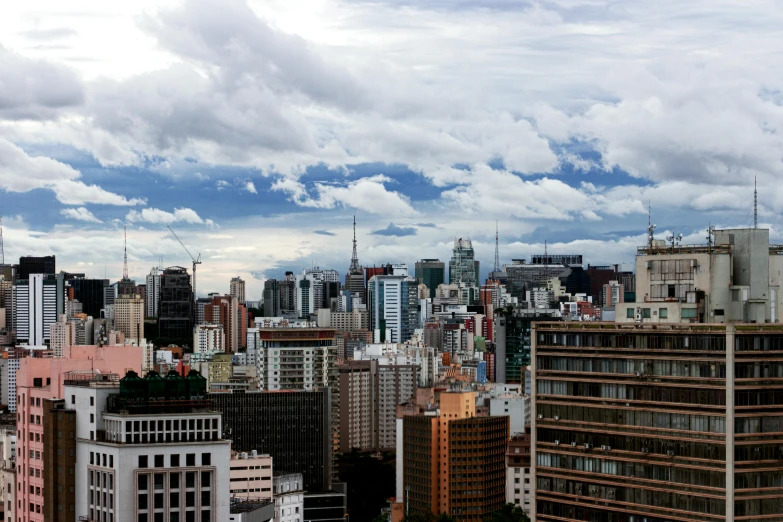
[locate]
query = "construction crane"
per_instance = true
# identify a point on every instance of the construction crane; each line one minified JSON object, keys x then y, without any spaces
{"x":196,"y":260}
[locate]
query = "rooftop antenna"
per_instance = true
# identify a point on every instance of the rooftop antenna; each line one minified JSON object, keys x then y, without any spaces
{"x":497,"y":250}
{"x":125,"y":259}
{"x":355,"y":256}
{"x":650,"y":225}
{"x":755,"y":204}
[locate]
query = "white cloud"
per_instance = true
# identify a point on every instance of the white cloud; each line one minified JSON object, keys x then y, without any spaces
{"x":80,"y":214}
{"x":156,"y":215}
{"x":250,"y":187}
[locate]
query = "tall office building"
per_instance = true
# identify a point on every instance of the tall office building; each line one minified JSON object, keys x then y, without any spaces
{"x":357,"y":405}
{"x":463,"y":267}
{"x":35,"y":308}
{"x":288,"y":294}
{"x":524,"y":276}
{"x":512,"y":342}
{"x":152,"y":296}
{"x":452,"y":462}
{"x":29,"y":265}
{"x":59,"y":461}
{"x":237,"y":289}
{"x":431,"y":272}
{"x":393,"y":303}
{"x":294,"y":428}
{"x":272,"y":297}
{"x":61,"y":334}
{"x":310,"y":289}
{"x":654,"y":423}
{"x":175,"y":319}
{"x":354,"y":279}
{"x":129,"y":316}
{"x":89,"y":292}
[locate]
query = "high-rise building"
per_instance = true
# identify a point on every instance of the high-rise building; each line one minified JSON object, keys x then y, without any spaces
{"x":288,"y":294}
{"x":463,"y":267}
{"x":294,"y":428}
{"x":224,"y":310}
{"x":344,"y":321}
{"x":237,"y":289}
{"x":310,"y":289}
{"x":288,"y":492}
{"x":150,"y":447}
{"x":272,"y":298}
{"x":89,"y":292}
{"x":35,"y":308}
{"x":676,"y":423}
{"x":357,"y":405}
{"x":524,"y":276}
{"x":129,"y":316}
{"x":512,"y":342}
{"x":354,"y":279}
{"x":612,"y":293}
{"x":431,"y":272}
{"x":59,"y":460}
{"x":61,"y":334}
{"x":29,"y":265}
{"x":452,"y":462}
{"x":296,"y":358}
{"x":175,"y":319}
{"x":209,"y":338}
{"x":152,"y":296}
{"x":393,"y":303}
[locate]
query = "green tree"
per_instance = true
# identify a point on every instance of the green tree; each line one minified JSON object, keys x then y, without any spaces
{"x":508,"y":513}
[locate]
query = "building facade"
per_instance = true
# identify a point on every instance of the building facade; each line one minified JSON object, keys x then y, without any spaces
{"x":237,"y":289}
{"x":289,"y":497}
{"x":152,"y":295}
{"x":393,"y":303}
{"x":272,"y":305}
{"x":463,"y":267}
{"x":430,"y":272}
{"x":175,"y":317}
{"x":35,"y":304}
{"x":61,"y":334}
{"x":251,"y":476}
{"x":129,"y":316}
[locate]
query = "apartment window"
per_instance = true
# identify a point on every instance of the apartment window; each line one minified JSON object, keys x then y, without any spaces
{"x":190,"y":459}
{"x":206,"y":479}
{"x":206,"y":459}
{"x":92,"y":401}
{"x":143,"y":461}
{"x":143,"y":480}
{"x":688,"y":313}
{"x":73,"y":399}
{"x":158,"y":461}
{"x":92,"y":418}
{"x":645,"y":313}
{"x":175,"y":461}
{"x":663,"y":313}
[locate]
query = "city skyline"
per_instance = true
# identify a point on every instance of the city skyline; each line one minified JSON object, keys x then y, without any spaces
{"x":425,"y":130}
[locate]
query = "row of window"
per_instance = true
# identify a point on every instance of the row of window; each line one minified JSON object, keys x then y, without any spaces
{"x":658,"y":341}
{"x":174,"y":460}
{"x":646,"y":367}
{"x":633,"y":392}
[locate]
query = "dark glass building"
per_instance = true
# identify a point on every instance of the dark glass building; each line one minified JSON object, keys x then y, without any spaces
{"x":89,"y":292}
{"x":35,"y":265}
{"x":431,"y":272}
{"x":175,"y":321}
{"x":294,"y":427}
{"x":272,"y":298}
{"x":512,"y":342}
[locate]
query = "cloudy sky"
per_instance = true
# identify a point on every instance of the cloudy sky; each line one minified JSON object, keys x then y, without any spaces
{"x":257,"y":129}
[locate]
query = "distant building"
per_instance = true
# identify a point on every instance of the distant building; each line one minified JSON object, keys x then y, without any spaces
{"x":288,"y":489}
{"x":519,"y":476}
{"x":61,"y":334}
{"x":431,"y":272}
{"x":354,"y":278}
{"x":251,"y":476}
{"x":209,"y":338}
{"x":29,"y":265}
{"x":272,"y":304}
{"x":512,"y":342}
{"x":35,"y":304}
{"x":612,"y":293}
{"x":288,"y":294}
{"x":176,"y":314}
{"x":344,"y":321}
{"x":237,"y":289}
{"x":393,"y":303}
{"x":225,"y":310}
{"x":129,"y":316}
{"x":152,"y":296}
{"x":463,"y":267}
{"x":89,"y":292}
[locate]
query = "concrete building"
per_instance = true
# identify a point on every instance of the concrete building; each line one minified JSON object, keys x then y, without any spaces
{"x":393,"y":305}
{"x":61,"y":334}
{"x":39,"y":379}
{"x":237,"y":289}
{"x":513,"y":405}
{"x":129,"y":316}
{"x":250,"y":476}
{"x":151,"y":447}
{"x":288,"y":490}
{"x":430,"y":272}
{"x":439,"y":453}
{"x":685,"y":413}
{"x":519,"y":475}
{"x":8,"y":472}
{"x":358,"y":418}
{"x":356,"y":320}
{"x":310,"y":289}
{"x":612,"y":293}
{"x":152,"y":295}
{"x":524,"y":276}
{"x":288,"y":294}
{"x":224,"y":310}
{"x":735,"y":278}
{"x":296,"y":358}
{"x":209,"y":338}
{"x":35,"y":305}
{"x":59,"y":458}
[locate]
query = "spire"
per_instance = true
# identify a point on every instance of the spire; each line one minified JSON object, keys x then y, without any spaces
{"x":755,"y":205}
{"x":497,"y":250}
{"x":355,"y":257}
{"x":125,"y":260}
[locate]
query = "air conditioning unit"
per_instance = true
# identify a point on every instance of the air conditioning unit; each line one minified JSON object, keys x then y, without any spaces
{"x":639,"y":374}
{"x":606,"y":448}
{"x":573,"y":444}
{"x":557,"y":417}
{"x":587,"y":445}
{"x":610,"y":493}
{"x":540,"y":416}
{"x":557,"y":442}
{"x":638,"y":316}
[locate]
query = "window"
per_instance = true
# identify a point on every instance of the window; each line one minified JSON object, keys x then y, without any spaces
{"x":174,"y":481}
{"x":645,"y":313}
{"x":92,"y":418}
{"x":688,"y":313}
{"x":92,"y":401}
{"x":175,"y":461}
{"x":143,"y":461}
{"x":719,"y":311}
{"x":663,"y":313}
{"x":73,"y":399}
{"x":159,"y":461}
{"x":143,"y":501}
{"x":190,"y":459}
{"x":206,"y":479}
{"x":143,"y":482}
{"x":206,"y":459}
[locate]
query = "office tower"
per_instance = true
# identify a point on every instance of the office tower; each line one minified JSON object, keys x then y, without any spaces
{"x":354,"y":279}
{"x":524,"y":276}
{"x":454,"y":462}
{"x":83,"y":328}
{"x":251,"y":476}
{"x":61,"y":334}
{"x":35,"y":308}
{"x":152,"y":298}
{"x":296,"y":358}
{"x":513,"y":340}
{"x":331,"y":295}
{"x":305,"y":306}
{"x":150,"y":447}
{"x":237,"y":289}
{"x":310,"y":289}
{"x":89,"y":292}
{"x":395,"y":384}
{"x":59,"y":459}
{"x":288,"y":294}
{"x":29,"y":265}
{"x":39,"y":379}
{"x":431,"y":272}
{"x":519,"y":476}
{"x":175,"y":319}
{"x":683,"y":421}
{"x":272,"y":298}
{"x":224,"y":310}
{"x":463,"y":268}
{"x":294,"y":428}
{"x":393,"y":303}
{"x":129,"y":316}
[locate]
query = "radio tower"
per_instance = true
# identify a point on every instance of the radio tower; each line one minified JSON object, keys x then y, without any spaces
{"x":755,"y":204}
{"x":125,"y":260}
{"x":497,"y":250}
{"x":355,"y":257}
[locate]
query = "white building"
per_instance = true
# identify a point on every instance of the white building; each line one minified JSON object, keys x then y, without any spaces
{"x":35,"y":308}
{"x":209,"y":338}
{"x":237,"y":289}
{"x":519,"y":490}
{"x":288,"y":491}
{"x":515,"y":406}
{"x":152,"y":294}
{"x":147,"y":461}
{"x":8,"y":471}
{"x":61,"y":334}
{"x":393,"y":305}
{"x":251,"y":476}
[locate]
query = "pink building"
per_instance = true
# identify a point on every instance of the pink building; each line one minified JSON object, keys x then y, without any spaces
{"x":43,"y":378}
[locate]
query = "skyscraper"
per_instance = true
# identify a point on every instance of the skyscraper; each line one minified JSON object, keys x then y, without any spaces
{"x":393,"y":302}
{"x":35,"y":308}
{"x":354,"y":279}
{"x":463,"y":267}
{"x":152,"y":296}
{"x":35,"y":265}
{"x":237,"y":289}
{"x":272,"y":297}
{"x":129,"y":316}
{"x":175,"y":320}
{"x":224,"y":310}
{"x":288,"y":294}
{"x":89,"y":292}
{"x":431,"y":272}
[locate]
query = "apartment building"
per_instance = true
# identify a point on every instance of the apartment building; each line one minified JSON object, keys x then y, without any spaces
{"x":250,"y":476}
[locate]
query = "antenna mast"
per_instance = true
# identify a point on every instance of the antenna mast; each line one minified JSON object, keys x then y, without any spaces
{"x":755,"y":204}
{"x":650,"y":226}
{"x":497,"y":250}
{"x":125,"y":259}
{"x":355,"y":256}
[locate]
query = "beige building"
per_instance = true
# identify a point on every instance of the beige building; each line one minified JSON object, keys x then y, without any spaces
{"x":61,"y":334}
{"x":237,"y":289}
{"x":251,"y":476}
{"x":734,"y":278}
{"x":129,"y":316}
{"x":209,"y":338}
{"x":344,"y":321}
{"x":357,"y":399}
